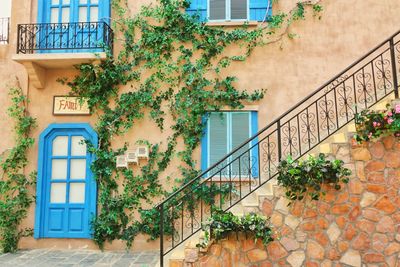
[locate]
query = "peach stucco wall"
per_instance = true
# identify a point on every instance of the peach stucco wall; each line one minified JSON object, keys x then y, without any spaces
{"x":288,"y":70}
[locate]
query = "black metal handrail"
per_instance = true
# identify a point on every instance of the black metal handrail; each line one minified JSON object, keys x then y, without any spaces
{"x":4,"y":30}
{"x":64,"y":37}
{"x":296,"y":132}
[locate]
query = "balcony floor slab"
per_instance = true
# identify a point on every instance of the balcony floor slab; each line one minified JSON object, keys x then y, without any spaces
{"x":37,"y":64}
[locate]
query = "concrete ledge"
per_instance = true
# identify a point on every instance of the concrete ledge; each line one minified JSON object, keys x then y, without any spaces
{"x":231,"y":23}
{"x":58,"y":60}
{"x":37,"y":64}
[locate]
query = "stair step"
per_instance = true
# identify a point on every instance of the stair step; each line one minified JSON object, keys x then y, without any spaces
{"x":339,"y":138}
{"x":325,"y":148}
{"x":267,"y":190}
{"x":237,"y":210}
{"x":351,"y":128}
{"x":251,"y":200}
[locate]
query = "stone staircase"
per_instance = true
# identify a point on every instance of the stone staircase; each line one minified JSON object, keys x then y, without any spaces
{"x":336,"y":146}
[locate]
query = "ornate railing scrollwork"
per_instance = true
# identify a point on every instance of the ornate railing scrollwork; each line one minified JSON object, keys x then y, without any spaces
{"x":64,"y":37}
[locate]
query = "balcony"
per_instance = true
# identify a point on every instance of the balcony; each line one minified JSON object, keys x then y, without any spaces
{"x":4,"y":30}
{"x":61,"y":45}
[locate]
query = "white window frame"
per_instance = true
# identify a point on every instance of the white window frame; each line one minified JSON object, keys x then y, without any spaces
{"x":227,"y":12}
{"x":228,"y":133}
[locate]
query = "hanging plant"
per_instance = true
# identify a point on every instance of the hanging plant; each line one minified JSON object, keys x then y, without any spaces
{"x":371,"y":125}
{"x":306,"y":177}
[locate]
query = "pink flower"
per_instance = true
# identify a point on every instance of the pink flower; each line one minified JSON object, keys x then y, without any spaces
{"x":390,"y":120}
{"x":369,"y":135}
{"x":397,"y":108}
{"x":397,"y":134}
{"x":375,"y":124}
{"x":390,"y":114}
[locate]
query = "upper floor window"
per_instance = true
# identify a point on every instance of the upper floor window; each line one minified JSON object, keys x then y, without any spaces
{"x":227,"y":10}
{"x":68,"y":11}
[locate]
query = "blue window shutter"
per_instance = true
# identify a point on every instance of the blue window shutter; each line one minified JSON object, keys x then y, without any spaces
{"x":240,"y":131}
{"x":204,"y":145}
{"x":218,"y":136}
{"x":198,"y":7}
{"x":254,"y":143}
{"x":258,"y":9}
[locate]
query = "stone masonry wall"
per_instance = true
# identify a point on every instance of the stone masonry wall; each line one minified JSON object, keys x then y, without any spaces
{"x":358,"y":225}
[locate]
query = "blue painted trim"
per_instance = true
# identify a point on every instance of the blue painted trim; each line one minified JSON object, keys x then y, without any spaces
{"x":255,"y":149}
{"x":204,"y":144}
{"x":40,"y":184}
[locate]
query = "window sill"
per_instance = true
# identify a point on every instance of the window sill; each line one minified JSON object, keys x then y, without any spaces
{"x":216,"y":179}
{"x":231,"y":23}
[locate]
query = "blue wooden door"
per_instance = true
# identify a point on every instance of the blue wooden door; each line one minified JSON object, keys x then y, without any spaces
{"x":68,"y":197}
{"x":73,"y":25}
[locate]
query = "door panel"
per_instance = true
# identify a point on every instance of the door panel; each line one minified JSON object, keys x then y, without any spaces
{"x":69,"y":197}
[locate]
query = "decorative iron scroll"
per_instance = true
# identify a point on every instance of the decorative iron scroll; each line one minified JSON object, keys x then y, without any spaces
{"x":76,"y":36}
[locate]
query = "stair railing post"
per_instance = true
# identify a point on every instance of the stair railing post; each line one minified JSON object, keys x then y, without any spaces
{"x":394,"y":68}
{"x":162,"y":235}
{"x":279,"y":141}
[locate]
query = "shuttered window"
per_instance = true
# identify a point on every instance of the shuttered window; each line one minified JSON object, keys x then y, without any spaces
{"x":224,"y":132}
{"x":221,"y":10}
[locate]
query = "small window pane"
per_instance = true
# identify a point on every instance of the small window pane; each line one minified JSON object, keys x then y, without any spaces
{"x":77,"y":193}
{"x":238,"y":9}
{"x":65,"y":15}
{"x":59,"y":169}
{"x":78,"y":169}
{"x":78,"y":146}
{"x":83,"y":2}
{"x":58,"y":192}
{"x":66,"y":2}
{"x":54,"y":15}
{"x":55,"y":2}
{"x":94,"y":1}
{"x":60,"y":146}
{"x":217,"y":9}
{"x":94,"y":14}
{"x":83,"y":14}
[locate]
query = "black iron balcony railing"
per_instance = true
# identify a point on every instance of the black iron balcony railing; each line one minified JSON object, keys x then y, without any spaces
{"x":64,"y":37}
{"x":4,"y":30}
{"x":295,"y":133}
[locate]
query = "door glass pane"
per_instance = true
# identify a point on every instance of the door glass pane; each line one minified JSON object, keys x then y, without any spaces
{"x":78,"y":146}
{"x":54,"y":15}
{"x":82,"y":2}
{"x":217,"y":9}
{"x":65,"y":14}
{"x":78,"y":169}
{"x":59,"y":169}
{"x":83,"y":14}
{"x":66,"y":2}
{"x":77,"y":193}
{"x":60,"y":146}
{"x":55,"y":2}
{"x":238,"y":9}
{"x":94,"y":14}
{"x":94,"y":1}
{"x":58,"y":192}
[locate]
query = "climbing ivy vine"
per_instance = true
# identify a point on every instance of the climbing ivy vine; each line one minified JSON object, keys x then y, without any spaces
{"x":15,"y":197}
{"x":168,"y":66}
